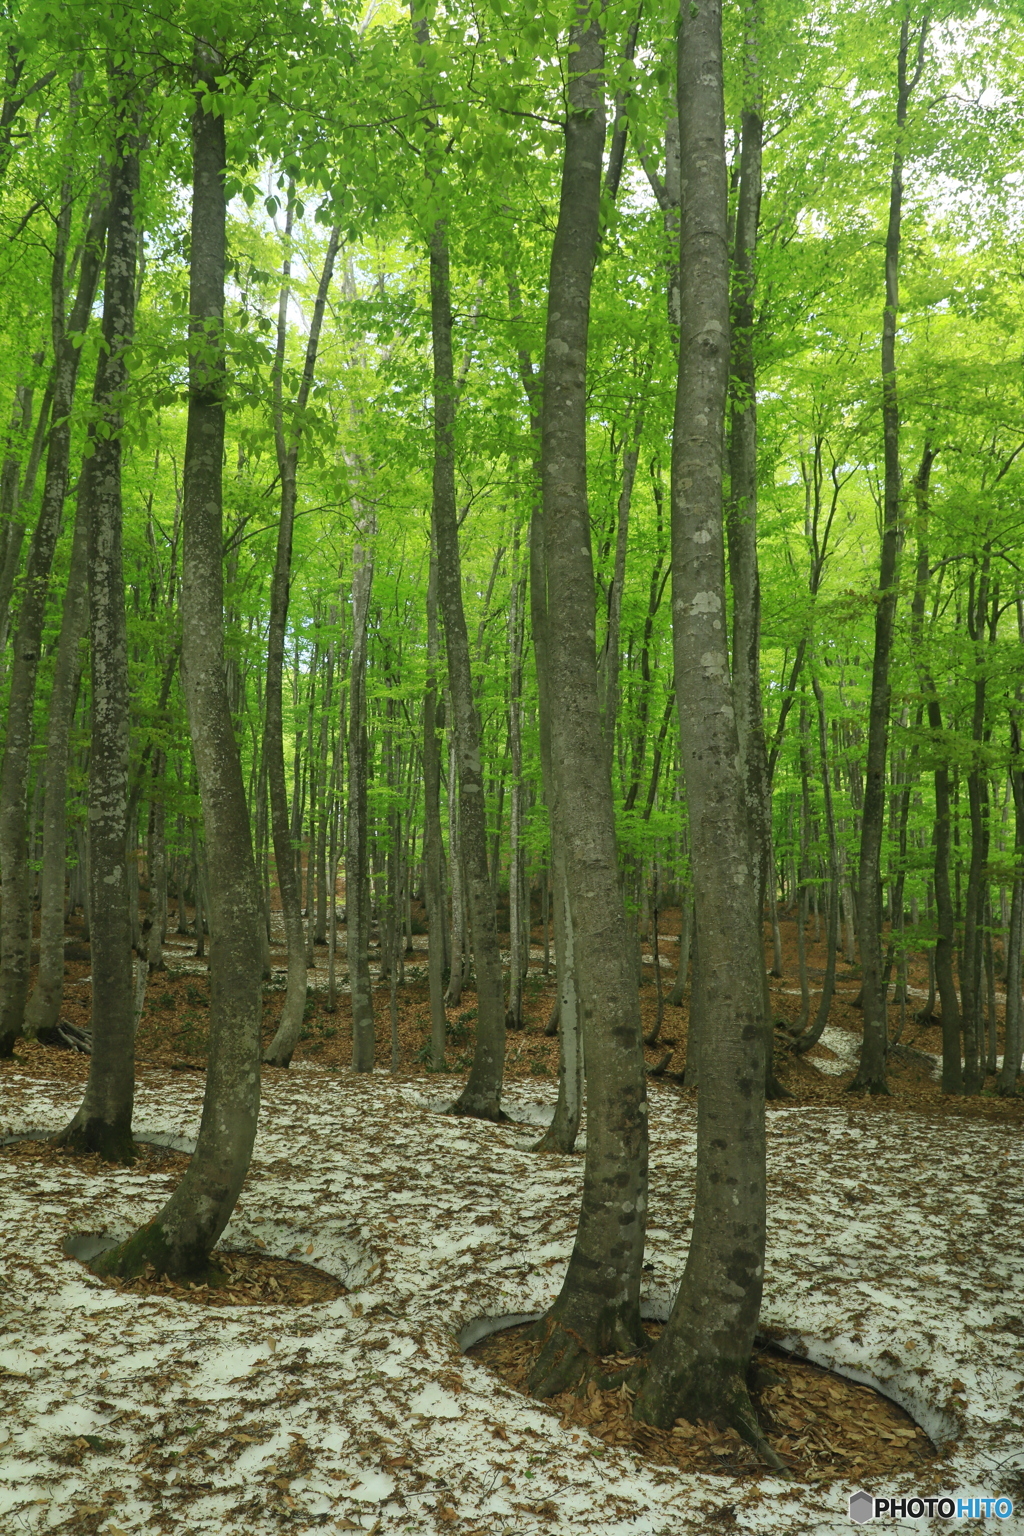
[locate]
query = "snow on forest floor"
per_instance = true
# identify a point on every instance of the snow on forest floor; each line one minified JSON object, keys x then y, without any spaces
{"x":896,"y":1252}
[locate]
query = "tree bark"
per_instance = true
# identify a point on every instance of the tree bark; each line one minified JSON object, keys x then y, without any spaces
{"x":432,"y":838}
{"x":103,"y":1124}
{"x":870,"y":1074}
{"x":481,"y":1096}
{"x":44,"y":1005}
{"x":561,"y":1134}
{"x":178,"y":1241}
{"x":598,"y":1308}
{"x":357,"y":884}
{"x":287,"y":436}
{"x":741,"y":514}
{"x":699,"y":1365}
{"x":15,"y":913}
{"x":518,"y":922}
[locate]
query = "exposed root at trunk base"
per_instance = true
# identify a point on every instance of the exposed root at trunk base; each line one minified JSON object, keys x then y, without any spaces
{"x":724,"y":1402}
{"x":114,"y":1143}
{"x":149,"y":1246}
{"x":563,"y":1364}
{"x":556,"y":1139}
{"x":872,"y":1085}
{"x":847,"y":1425}
{"x":277,"y":1061}
{"x":566,"y":1365}
{"x":479,"y":1109}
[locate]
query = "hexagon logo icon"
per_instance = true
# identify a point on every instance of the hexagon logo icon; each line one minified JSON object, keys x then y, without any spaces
{"x":862,"y":1507}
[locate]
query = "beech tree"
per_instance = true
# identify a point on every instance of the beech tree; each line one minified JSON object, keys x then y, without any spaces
{"x":179,"y":1239}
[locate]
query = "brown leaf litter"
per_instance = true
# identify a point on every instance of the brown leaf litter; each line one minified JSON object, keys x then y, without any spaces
{"x":820,"y":1424}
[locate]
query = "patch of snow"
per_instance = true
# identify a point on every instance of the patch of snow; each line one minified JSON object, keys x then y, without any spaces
{"x":893,"y":1254}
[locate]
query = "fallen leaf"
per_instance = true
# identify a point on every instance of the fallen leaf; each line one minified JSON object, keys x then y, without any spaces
{"x":310,"y":1248}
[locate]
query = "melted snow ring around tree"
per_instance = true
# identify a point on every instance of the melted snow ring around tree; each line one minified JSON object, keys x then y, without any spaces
{"x":821,"y":1423}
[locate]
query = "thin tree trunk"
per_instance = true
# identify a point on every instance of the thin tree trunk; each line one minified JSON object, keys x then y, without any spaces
{"x":518,"y":962}
{"x":157,"y":869}
{"x":481,"y":1096}
{"x":432,"y":837}
{"x":103,"y":1124}
{"x":357,"y":884}
{"x":44,"y":1005}
{"x":286,"y":436}
{"x":870,"y":1074}
{"x":561,"y":1134}
{"x":813,"y":1035}
{"x":15,"y":912}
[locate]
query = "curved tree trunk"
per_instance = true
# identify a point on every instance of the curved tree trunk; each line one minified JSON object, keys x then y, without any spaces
{"x":179,"y":1240}
{"x":699,"y":1365}
{"x":598,"y":1308}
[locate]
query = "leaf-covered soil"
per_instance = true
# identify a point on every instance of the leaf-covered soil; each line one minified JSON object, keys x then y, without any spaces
{"x":173,"y":1031}
{"x":896,"y":1231}
{"x":820,"y":1424}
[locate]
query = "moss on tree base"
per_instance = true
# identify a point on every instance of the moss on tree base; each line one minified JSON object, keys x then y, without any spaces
{"x":149,"y":1248}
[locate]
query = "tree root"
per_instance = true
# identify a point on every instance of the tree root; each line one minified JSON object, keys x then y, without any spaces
{"x":729,"y":1407}
{"x":563,"y":1364}
{"x":149,"y":1248}
{"x":114,"y":1143}
{"x":873,"y":1085}
{"x":491,"y":1111}
{"x":281,"y":1060}
{"x":566,"y":1365}
{"x":556,"y":1139}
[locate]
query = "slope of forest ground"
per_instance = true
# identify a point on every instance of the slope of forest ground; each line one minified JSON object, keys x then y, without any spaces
{"x":895,"y":1241}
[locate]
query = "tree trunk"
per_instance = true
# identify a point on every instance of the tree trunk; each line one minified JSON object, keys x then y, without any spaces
{"x":519,"y":953}
{"x":813,"y":1035}
{"x":15,"y":913}
{"x":103,"y":1124}
{"x":561,"y":1134}
{"x":432,"y":839}
{"x":157,"y":868}
{"x":178,"y":1241}
{"x":44,"y":1005}
{"x":870,"y":1074}
{"x":357,"y":884}
{"x":1013,"y":1042}
{"x":741,"y":513}
{"x":286,"y":438}
{"x":598,"y":1308}
{"x":698,"y":1367}
{"x":481,"y":1096}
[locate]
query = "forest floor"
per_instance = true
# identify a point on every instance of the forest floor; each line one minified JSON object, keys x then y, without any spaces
{"x":327,"y":1388}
